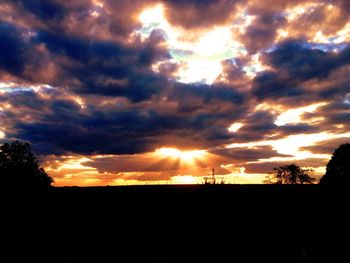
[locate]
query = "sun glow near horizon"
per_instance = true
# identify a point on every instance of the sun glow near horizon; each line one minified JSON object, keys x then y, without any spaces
{"x":185,"y":157}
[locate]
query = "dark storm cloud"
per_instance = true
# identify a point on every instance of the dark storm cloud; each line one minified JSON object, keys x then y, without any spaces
{"x":256,"y":126}
{"x":260,"y":125}
{"x":44,"y":9}
{"x":104,"y":68}
{"x":69,"y":128}
{"x":115,"y":19}
{"x":295,"y":62}
{"x":58,"y":124}
{"x":14,"y":49}
{"x":301,"y":128}
{"x":271,"y":15}
{"x":302,"y":62}
{"x":242,"y":155}
{"x":262,"y":32}
{"x":85,"y":50}
{"x":22,"y":98}
{"x":328,"y":146}
{"x":336,"y":114}
{"x":234,"y":74}
{"x":199,"y":14}
{"x":98,"y":132}
{"x":272,"y":85}
{"x":191,"y":97}
{"x":110,"y":69}
{"x":22,"y":58}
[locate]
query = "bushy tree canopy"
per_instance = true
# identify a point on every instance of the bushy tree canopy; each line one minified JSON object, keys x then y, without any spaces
{"x":338,"y":167}
{"x":19,"y":168}
{"x":290,"y":174}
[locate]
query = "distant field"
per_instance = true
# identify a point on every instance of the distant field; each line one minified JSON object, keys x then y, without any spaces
{"x":192,"y":223}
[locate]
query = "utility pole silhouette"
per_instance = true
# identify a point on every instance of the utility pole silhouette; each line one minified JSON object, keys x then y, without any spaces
{"x":213,"y":176}
{"x":212,"y":179}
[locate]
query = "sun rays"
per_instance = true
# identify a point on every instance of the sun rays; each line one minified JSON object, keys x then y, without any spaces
{"x":185,"y":158}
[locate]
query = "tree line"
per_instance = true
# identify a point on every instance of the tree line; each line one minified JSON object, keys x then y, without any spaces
{"x":19,"y":168}
{"x":337,"y":171}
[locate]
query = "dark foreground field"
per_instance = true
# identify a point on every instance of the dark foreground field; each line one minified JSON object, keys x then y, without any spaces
{"x":222,"y":223}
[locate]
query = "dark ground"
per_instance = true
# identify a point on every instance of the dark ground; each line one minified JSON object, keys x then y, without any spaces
{"x":222,"y":223}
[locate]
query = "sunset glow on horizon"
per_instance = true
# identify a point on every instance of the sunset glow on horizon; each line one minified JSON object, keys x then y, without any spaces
{"x":161,"y":92}
{"x":187,"y":157}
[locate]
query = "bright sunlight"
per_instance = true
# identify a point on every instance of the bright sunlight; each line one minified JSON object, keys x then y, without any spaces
{"x":185,"y":157}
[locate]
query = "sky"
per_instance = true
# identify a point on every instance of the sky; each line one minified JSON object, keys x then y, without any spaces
{"x":160,"y":92}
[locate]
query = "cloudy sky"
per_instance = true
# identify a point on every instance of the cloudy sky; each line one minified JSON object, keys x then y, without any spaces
{"x":139,"y":92}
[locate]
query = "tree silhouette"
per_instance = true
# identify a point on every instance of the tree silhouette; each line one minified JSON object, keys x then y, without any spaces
{"x":19,"y":168}
{"x":290,"y":174}
{"x":338,"y":167}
